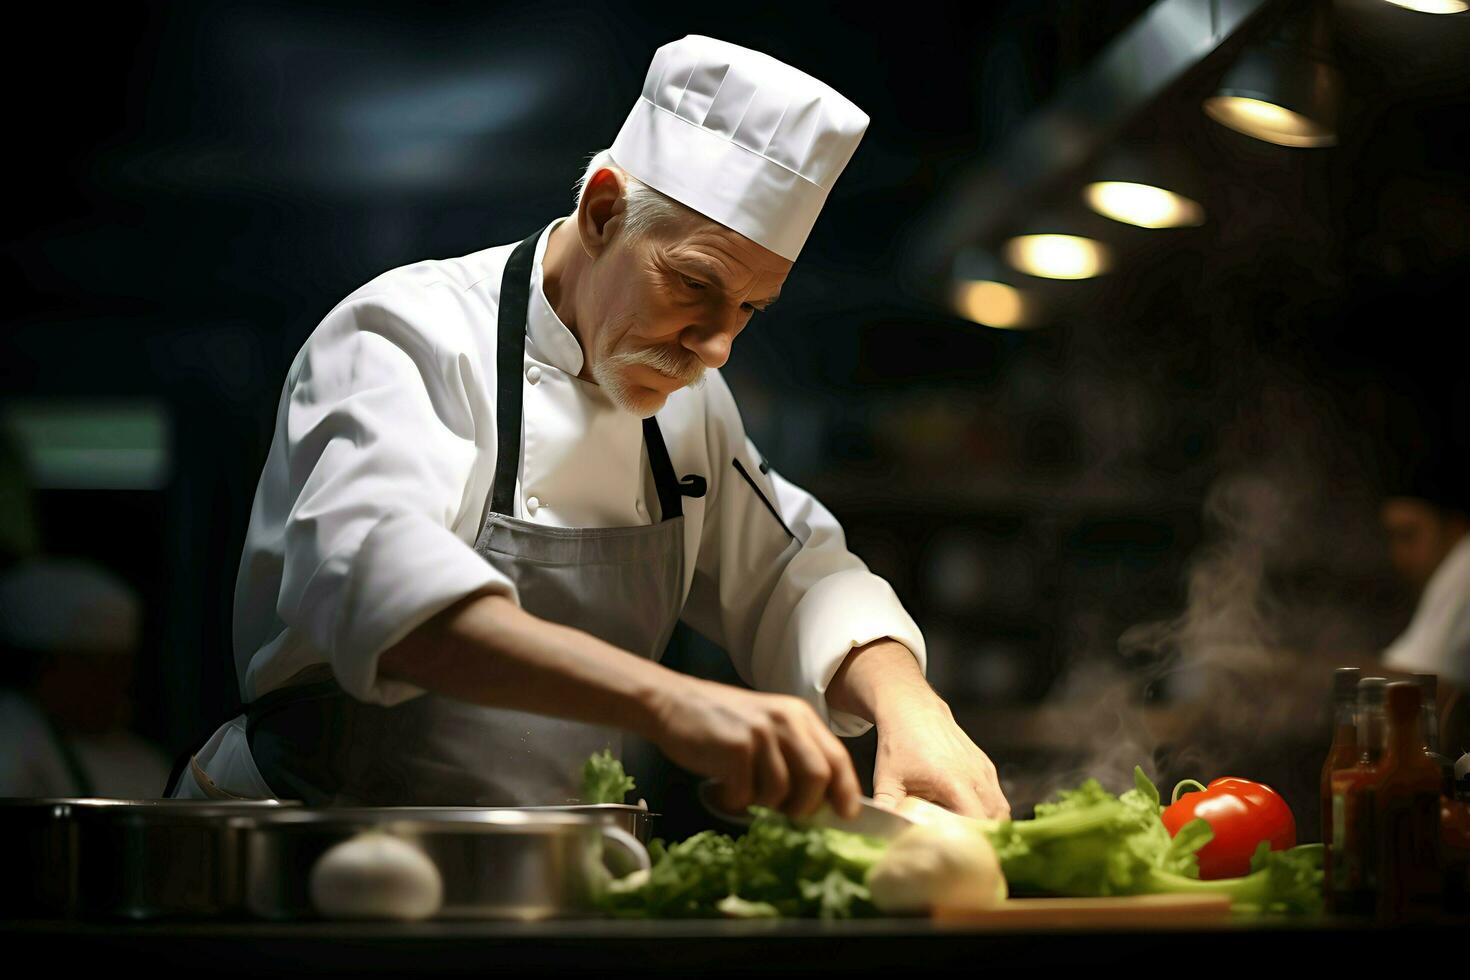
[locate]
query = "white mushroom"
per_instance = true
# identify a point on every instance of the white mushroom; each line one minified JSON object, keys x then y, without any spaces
{"x":376,"y":875}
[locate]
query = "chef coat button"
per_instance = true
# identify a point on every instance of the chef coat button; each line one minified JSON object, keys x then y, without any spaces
{"x":532,"y":504}
{"x":640,"y":506}
{"x":533,"y":374}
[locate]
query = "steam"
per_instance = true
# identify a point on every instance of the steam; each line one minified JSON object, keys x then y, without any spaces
{"x":1288,"y":582}
{"x":1228,"y":660}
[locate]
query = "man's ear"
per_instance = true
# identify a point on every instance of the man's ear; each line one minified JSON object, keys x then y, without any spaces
{"x":600,"y":212}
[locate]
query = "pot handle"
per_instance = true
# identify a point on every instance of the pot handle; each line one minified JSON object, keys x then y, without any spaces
{"x":634,"y":854}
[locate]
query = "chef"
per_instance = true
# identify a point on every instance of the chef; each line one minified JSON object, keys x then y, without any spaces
{"x":69,"y":637}
{"x":497,"y":482}
{"x":1427,"y":520}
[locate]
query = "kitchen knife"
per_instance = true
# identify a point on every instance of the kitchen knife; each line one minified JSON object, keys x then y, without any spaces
{"x":873,"y":819}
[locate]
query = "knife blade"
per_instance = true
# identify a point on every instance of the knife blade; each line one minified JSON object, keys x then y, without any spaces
{"x":873,"y":819}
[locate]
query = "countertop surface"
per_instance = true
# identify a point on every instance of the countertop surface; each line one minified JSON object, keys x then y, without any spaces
{"x":686,"y":947}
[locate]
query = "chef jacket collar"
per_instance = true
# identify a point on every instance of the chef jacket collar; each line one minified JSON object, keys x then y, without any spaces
{"x":553,"y":340}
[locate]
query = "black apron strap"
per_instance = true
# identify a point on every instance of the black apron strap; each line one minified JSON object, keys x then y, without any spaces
{"x":670,"y":500}
{"x":510,"y":348}
{"x":69,"y":758}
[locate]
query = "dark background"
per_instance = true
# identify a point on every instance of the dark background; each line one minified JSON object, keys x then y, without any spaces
{"x":194,"y":186}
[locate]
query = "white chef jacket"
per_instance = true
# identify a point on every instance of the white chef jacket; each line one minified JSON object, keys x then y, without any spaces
{"x":1438,"y":638}
{"x":380,"y":472}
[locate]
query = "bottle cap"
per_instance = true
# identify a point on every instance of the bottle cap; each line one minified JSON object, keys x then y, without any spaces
{"x":1345,"y":683}
{"x":1403,"y":697}
{"x":1370,"y":690}
{"x":1429,"y":683}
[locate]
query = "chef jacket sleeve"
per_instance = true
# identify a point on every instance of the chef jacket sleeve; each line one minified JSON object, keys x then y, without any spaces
{"x":1436,"y":642}
{"x":384,"y":424}
{"x":774,"y":583}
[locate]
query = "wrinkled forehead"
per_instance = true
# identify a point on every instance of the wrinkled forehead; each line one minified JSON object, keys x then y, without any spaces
{"x":700,"y":239}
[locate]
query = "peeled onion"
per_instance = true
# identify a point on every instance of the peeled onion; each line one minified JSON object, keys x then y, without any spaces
{"x":944,"y":863}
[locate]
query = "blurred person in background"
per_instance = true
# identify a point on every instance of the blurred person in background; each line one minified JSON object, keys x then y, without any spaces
{"x":1427,"y":519}
{"x":19,"y":534}
{"x":69,"y":631}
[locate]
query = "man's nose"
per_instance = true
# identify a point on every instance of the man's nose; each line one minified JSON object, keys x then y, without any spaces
{"x":711,"y":341}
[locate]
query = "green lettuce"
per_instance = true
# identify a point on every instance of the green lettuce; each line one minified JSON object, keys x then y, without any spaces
{"x":774,"y":869}
{"x":603,"y":779}
{"x":1288,"y":881}
{"x":687,"y":880}
{"x":1089,"y":842}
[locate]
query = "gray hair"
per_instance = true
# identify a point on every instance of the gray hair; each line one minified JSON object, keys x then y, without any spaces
{"x":646,"y":210}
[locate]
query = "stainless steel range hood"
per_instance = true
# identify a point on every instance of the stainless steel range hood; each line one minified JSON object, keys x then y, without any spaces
{"x":1170,"y":40}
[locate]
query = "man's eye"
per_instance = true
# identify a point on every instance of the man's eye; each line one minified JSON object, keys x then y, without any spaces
{"x":692,"y":283}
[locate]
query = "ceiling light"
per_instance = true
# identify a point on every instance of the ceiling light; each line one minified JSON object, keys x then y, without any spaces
{"x":1433,"y":6}
{"x":982,"y":293}
{"x":1142,"y":204}
{"x":992,"y":304}
{"x":1285,"y":90}
{"x":1268,"y":121}
{"x":1058,"y":256}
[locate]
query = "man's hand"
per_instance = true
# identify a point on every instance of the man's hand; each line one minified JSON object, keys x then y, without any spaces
{"x":769,"y":749}
{"x":925,"y":754}
{"x":921,"y":751}
{"x":766,"y":749}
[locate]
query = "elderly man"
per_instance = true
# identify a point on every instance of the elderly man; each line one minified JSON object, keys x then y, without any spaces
{"x":497,"y":482}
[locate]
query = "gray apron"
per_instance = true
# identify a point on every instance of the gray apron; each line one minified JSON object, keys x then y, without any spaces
{"x":314,"y":742}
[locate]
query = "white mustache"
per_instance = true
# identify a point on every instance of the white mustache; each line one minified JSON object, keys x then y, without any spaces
{"x":683,"y":366}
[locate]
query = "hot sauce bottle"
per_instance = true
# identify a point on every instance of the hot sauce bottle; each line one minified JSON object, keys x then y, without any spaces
{"x":1429,"y":688}
{"x":1352,"y":888}
{"x":1343,"y":753}
{"x":1406,"y":818}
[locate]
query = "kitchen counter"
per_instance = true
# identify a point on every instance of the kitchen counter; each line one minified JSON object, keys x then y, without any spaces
{"x":689,"y":947}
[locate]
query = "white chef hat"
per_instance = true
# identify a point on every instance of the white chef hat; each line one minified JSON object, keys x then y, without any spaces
{"x":66,"y":606}
{"x":739,"y":137}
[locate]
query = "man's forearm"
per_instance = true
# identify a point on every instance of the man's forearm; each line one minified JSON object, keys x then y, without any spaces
{"x":487,"y":650}
{"x":881,"y":680}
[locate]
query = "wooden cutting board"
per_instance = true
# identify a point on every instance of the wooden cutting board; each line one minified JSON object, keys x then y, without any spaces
{"x":1141,"y":911}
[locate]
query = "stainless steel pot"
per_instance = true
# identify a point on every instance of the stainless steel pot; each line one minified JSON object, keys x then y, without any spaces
{"x":40,"y":849}
{"x":493,"y":863}
{"x":43,"y":844}
{"x":144,"y":859}
{"x":636,"y":820}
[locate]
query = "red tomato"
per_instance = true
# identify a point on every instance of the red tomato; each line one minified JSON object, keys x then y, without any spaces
{"x":1242,"y":814}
